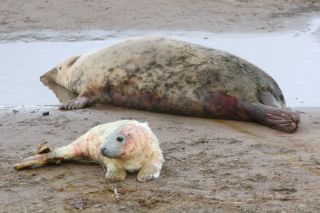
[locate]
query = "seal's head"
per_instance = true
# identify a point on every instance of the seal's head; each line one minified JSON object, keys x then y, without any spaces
{"x":128,"y":141}
{"x":59,"y":73}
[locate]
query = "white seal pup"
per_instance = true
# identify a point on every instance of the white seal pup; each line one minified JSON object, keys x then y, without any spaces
{"x":122,"y":146}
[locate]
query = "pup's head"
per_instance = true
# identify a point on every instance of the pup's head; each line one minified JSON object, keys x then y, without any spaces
{"x":59,"y":72}
{"x":128,"y":141}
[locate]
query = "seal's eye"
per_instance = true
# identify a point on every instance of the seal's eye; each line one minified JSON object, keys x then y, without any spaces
{"x":120,"y":139}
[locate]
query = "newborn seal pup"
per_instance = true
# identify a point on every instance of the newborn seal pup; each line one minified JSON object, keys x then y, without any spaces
{"x":167,"y":75}
{"x":122,"y":146}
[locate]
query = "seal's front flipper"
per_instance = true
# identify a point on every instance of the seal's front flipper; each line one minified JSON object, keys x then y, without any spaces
{"x":152,"y":169}
{"x":277,"y":118}
{"x":148,"y":172}
{"x":78,"y":103}
{"x":114,"y":172}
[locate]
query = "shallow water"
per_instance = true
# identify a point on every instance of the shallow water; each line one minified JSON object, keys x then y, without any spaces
{"x":291,"y":58}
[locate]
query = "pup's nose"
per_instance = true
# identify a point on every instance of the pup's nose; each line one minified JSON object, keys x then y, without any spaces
{"x":102,"y":150}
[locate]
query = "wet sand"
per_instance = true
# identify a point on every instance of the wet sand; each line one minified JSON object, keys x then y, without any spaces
{"x":225,"y":166}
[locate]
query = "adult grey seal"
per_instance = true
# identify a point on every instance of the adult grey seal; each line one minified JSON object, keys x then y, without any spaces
{"x":168,"y":75}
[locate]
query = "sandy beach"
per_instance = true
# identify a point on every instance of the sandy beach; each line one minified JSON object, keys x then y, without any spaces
{"x":211,"y":165}
{"x":204,"y":15}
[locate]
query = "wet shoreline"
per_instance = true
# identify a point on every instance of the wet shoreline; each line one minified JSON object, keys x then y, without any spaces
{"x":291,"y":58}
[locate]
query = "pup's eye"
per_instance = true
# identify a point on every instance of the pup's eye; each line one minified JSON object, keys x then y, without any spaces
{"x":120,"y":139}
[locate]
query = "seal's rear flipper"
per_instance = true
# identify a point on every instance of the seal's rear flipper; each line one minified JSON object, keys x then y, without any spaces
{"x":276,"y":118}
{"x":78,"y":103}
{"x":36,"y":160}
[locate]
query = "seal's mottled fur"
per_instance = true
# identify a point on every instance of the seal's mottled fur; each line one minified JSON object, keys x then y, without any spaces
{"x":167,"y":75}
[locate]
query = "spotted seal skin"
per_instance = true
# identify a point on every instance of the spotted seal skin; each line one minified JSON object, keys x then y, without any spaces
{"x":168,"y":75}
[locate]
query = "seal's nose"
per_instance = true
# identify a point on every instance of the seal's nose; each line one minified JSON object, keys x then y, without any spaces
{"x":109,"y":153}
{"x":102,"y":150}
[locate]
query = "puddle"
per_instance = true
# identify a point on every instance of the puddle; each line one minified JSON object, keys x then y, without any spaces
{"x":291,"y":58}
